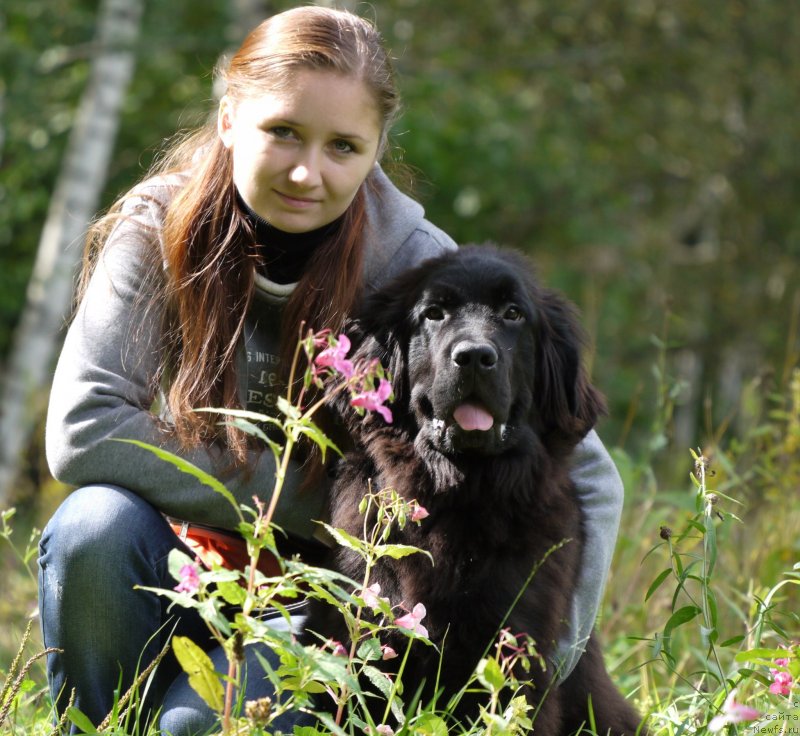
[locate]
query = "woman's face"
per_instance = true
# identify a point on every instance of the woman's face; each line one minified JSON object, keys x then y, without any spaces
{"x":300,"y":154}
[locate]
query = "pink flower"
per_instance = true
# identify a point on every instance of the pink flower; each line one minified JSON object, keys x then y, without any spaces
{"x":189,"y":580}
{"x":781,"y":684}
{"x":336,"y":647}
{"x":387,"y":652}
{"x":418,"y":513}
{"x":384,"y":730}
{"x":371,"y":597}
{"x":374,"y":400}
{"x":411,"y":621}
{"x":782,"y":680}
{"x":334,"y":357}
{"x":732,"y":712}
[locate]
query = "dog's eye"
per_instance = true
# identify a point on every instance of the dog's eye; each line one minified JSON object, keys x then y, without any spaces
{"x":433,"y":312}
{"x":513,"y":314}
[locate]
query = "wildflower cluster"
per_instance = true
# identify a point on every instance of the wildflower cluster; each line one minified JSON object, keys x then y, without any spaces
{"x":212,"y":589}
{"x":783,"y":674}
{"x":368,"y":384}
{"x":189,"y":579}
{"x":412,"y":621}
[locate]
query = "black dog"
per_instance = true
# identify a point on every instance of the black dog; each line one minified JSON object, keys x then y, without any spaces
{"x":490,"y":400}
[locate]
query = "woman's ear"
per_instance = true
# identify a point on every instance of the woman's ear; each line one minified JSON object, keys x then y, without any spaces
{"x":225,"y":117}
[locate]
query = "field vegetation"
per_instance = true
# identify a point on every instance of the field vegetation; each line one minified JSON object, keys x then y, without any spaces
{"x":700,"y":619}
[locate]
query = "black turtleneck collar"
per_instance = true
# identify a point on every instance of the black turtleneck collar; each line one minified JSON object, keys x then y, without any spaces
{"x":283,"y":256}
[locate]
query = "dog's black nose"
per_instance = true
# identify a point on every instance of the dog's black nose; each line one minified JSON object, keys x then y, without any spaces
{"x":480,"y":355}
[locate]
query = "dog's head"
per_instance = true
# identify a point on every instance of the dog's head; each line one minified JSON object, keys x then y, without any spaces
{"x":483,"y":358}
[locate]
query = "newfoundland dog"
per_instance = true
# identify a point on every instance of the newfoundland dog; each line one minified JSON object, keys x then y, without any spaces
{"x":490,"y":400}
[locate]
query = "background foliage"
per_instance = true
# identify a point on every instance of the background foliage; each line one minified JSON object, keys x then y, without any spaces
{"x":644,"y":152}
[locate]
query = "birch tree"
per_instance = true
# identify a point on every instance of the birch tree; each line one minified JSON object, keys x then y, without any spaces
{"x":74,"y":201}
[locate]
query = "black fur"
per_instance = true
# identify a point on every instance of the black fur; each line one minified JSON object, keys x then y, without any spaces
{"x":476,"y":327}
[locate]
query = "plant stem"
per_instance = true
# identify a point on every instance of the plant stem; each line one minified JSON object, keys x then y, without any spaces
{"x":708,"y":521}
{"x":226,"y":716}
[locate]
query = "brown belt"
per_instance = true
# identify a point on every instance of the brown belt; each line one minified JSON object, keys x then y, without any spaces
{"x":214,"y":546}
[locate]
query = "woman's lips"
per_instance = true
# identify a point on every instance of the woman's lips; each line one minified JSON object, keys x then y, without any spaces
{"x":297,"y":202}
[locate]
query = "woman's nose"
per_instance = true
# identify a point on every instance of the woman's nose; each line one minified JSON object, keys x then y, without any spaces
{"x":306,"y":172}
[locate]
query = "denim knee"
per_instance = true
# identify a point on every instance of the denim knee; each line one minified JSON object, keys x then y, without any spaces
{"x":101,"y":521}
{"x":101,"y":543}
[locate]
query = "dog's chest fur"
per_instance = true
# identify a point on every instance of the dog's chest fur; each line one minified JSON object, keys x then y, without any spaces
{"x":487,"y":539}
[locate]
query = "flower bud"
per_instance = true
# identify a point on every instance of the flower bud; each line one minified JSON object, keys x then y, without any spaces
{"x":258,"y":711}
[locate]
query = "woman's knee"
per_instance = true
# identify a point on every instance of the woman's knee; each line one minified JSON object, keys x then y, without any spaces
{"x":104,"y":537}
{"x":96,"y":519}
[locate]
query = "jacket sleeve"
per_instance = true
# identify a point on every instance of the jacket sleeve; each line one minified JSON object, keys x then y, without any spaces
{"x":104,"y":390}
{"x":601,"y":493}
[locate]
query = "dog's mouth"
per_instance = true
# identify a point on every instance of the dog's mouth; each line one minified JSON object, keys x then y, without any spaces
{"x":470,"y":427}
{"x":467,"y":424}
{"x":473,"y":417}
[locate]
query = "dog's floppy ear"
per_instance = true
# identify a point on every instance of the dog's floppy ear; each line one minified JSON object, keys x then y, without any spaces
{"x":567,"y":402}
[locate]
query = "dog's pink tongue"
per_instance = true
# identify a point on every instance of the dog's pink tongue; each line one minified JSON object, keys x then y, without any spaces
{"x":471,"y":417}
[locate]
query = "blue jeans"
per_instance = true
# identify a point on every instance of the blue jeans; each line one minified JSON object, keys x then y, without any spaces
{"x":101,"y":542}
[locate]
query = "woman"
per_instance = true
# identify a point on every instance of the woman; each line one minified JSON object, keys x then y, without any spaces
{"x":194,"y":287}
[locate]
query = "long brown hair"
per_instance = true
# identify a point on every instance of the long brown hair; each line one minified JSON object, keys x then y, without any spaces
{"x":208,"y":244}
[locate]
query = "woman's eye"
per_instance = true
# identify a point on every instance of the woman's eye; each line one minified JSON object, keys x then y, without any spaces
{"x":343,"y":147}
{"x":513,"y":314}
{"x":281,"y":131}
{"x":433,"y":313}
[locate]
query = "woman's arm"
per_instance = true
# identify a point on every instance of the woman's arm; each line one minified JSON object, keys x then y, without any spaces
{"x":600,"y":493}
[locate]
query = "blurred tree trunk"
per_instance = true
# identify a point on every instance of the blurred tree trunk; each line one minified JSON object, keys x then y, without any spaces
{"x":74,"y":201}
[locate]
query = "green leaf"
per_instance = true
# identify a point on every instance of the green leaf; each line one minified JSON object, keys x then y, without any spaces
{"x":287,"y":409}
{"x":733,"y":641}
{"x":232,"y":593}
{"x":316,"y":435}
{"x":344,"y":539}
{"x":490,"y":675}
{"x":252,"y":416}
{"x":249,"y":428}
{"x":398,"y":551}
{"x":760,"y":655}
{"x":80,"y":720}
{"x":656,"y":584}
{"x":711,"y":601}
{"x":203,"y":678}
{"x":379,"y":679}
{"x":246,"y":422}
{"x":370,"y":650}
{"x":429,"y":724}
{"x":679,"y":618}
{"x":186,"y":467}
